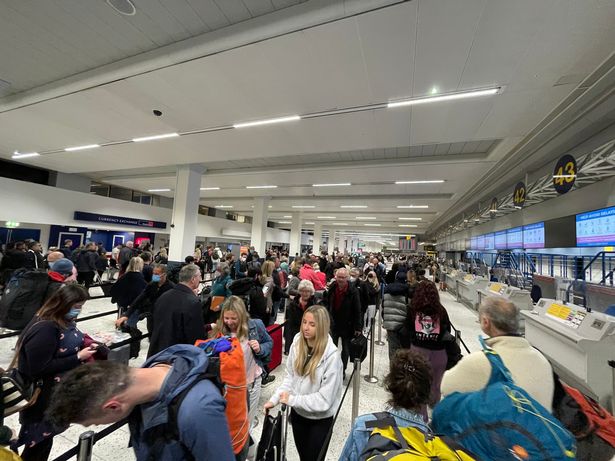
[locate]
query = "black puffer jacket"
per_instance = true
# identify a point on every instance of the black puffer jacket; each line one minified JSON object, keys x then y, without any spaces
{"x":395,"y":305}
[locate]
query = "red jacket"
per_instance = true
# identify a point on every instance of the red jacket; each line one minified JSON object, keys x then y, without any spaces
{"x":307,"y":273}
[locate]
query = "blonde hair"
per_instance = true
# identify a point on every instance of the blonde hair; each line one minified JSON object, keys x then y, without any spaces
{"x":267,"y":268}
{"x":135,"y":265}
{"x":236,"y":305}
{"x":303,"y":365}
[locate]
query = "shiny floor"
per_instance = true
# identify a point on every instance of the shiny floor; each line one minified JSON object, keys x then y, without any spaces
{"x":372,"y":396}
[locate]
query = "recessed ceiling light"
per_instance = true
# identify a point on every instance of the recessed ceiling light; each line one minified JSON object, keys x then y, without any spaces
{"x":210,"y":188}
{"x":261,"y":187}
{"x":158,"y":136}
{"x":125,"y":7}
{"x":17,"y":155}
{"x":268,"y":121}
{"x":87,"y":146}
{"x":353,"y":206}
{"x":412,"y":206}
{"x":444,"y":97}
{"x":303,"y":206}
{"x":159,"y":190}
{"x":407,"y":225}
{"x":326,"y":217}
{"x":365,"y":218}
{"x":410,"y":219}
{"x":427,"y":181}
{"x":332,"y":185}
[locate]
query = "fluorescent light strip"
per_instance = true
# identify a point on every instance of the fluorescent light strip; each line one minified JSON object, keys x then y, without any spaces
{"x":332,"y":185}
{"x":87,"y":146}
{"x":365,"y":218}
{"x":407,"y":225}
{"x":287,"y":217}
{"x":444,"y":97}
{"x":326,"y":217}
{"x":309,"y":223}
{"x":17,"y":155}
{"x":153,"y":138}
{"x":339,"y":224}
{"x":372,"y":225}
{"x":412,"y":206}
{"x":159,"y":190}
{"x":303,"y":206}
{"x":268,"y":121}
{"x":284,"y":222}
{"x":430,"y":181}
{"x":261,"y":187}
{"x":353,"y":206}
{"x":210,"y":188}
{"x":223,"y":206}
{"x":410,"y":219}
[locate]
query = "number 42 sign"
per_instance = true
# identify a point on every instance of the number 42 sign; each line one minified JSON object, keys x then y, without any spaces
{"x":564,"y":174}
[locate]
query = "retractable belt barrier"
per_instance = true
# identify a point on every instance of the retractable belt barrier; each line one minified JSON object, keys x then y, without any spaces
{"x":459,"y":339}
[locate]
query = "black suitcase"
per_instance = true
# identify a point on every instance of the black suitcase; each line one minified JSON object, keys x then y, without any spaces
{"x":272,"y":446}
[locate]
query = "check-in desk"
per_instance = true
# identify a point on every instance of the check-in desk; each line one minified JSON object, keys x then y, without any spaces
{"x":451,"y":279}
{"x":467,"y":289}
{"x":520,"y":298}
{"x":577,"y":343}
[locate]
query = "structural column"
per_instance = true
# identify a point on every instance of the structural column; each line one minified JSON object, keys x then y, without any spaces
{"x":295,"y":234}
{"x":185,"y":211}
{"x":259,"y":225}
{"x":331,"y":242}
{"x":317,"y":238}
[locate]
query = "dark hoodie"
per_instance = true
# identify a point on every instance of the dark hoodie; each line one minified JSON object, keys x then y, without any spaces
{"x":203,"y":429}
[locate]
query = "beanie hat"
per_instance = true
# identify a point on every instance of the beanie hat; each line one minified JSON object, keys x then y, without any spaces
{"x":63,"y":266}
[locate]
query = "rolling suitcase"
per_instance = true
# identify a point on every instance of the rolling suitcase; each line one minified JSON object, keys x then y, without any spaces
{"x":272,"y":446}
{"x":275,"y":331}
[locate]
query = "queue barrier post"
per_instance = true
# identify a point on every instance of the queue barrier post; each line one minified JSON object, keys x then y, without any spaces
{"x":85,"y":446}
{"x":379,"y":342}
{"x":370,"y":378}
{"x":356,"y":388}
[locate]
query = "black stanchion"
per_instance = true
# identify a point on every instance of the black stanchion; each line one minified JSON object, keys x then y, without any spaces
{"x":458,"y":338}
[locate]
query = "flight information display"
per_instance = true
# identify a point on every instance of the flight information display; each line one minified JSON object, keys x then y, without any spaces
{"x":480,"y":242}
{"x":596,"y":228}
{"x":500,"y":240}
{"x":514,"y":238}
{"x":473,"y":244}
{"x":534,"y":235}
{"x":489,"y":241}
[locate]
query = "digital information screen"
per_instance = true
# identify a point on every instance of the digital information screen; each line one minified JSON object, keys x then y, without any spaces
{"x":480,"y":242}
{"x":534,"y":235}
{"x":500,"y":240}
{"x":489,"y":241}
{"x":514,"y":238}
{"x":596,"y":228}
{"x":473,"y":244}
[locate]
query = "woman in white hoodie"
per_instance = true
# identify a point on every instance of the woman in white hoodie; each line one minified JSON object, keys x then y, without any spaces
{"x":313,"y":384}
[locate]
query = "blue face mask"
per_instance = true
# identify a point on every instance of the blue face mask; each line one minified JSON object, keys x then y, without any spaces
{"x":155,"y":278}
{"x":73,"y":314}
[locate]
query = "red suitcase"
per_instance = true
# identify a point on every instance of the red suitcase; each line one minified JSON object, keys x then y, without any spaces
{"x":275,"y":331}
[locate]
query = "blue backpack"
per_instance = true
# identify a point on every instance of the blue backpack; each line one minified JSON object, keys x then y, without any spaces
{"x":502,"y":421}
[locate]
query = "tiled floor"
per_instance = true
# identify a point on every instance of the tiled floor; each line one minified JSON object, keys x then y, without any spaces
{"x":372,"y":396}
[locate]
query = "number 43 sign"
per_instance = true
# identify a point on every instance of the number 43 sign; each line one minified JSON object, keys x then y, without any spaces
{"x":565,"y":174}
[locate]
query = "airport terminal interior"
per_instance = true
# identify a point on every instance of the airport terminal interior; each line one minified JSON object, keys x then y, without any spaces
{"x":470,"y":141}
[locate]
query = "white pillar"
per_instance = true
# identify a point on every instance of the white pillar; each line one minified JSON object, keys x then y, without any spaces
{"x":340,"y":243}
{"x":295,"y":234}
{"x":259,"y":225}
{"x":185,"y":211}
{"x":331,"y":242}
{"x":317,"y":238}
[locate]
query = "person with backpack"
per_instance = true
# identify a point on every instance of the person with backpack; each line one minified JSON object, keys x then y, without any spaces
{"x":426,"y":324}
{"x":409,"y":385}
{"x":255,"y":342}
{"x":499,"y":319}
{"x":174,"y":406}
{"x":312,"y":387}
{"x":49,"y":346}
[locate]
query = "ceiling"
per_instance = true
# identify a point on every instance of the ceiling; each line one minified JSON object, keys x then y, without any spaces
{"x":333,"y":55}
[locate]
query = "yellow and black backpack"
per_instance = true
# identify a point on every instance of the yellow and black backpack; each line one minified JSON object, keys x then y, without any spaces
{"x":388,"y":442}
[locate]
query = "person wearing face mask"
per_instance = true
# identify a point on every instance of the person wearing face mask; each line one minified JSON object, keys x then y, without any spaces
{"x":241,"y":267}
{"x":294,"y":312}
{"x":177,"y":316}
{"x":49,"y":346}
{"x":144,"y":303}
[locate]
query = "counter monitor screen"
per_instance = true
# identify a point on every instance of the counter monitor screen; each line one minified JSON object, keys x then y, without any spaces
{"x":514,"y":238}
{"x":500,"y":240}
{"x":534,"y":235}
{"x":489,"y":242}
{"x":596,"y":228}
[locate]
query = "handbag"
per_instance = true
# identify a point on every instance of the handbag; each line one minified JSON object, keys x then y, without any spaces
{"x":18,"y":392}
{"x":453,"y":351}
{"x":358,"y":348}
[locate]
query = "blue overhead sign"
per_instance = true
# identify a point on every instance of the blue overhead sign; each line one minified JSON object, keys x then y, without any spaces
{"x":118,"y":220}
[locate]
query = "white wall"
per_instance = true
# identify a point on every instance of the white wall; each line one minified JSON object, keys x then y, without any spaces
{"x":33,"y":203}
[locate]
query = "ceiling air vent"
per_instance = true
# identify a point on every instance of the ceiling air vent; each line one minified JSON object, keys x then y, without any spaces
{"x":125,"y":7}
